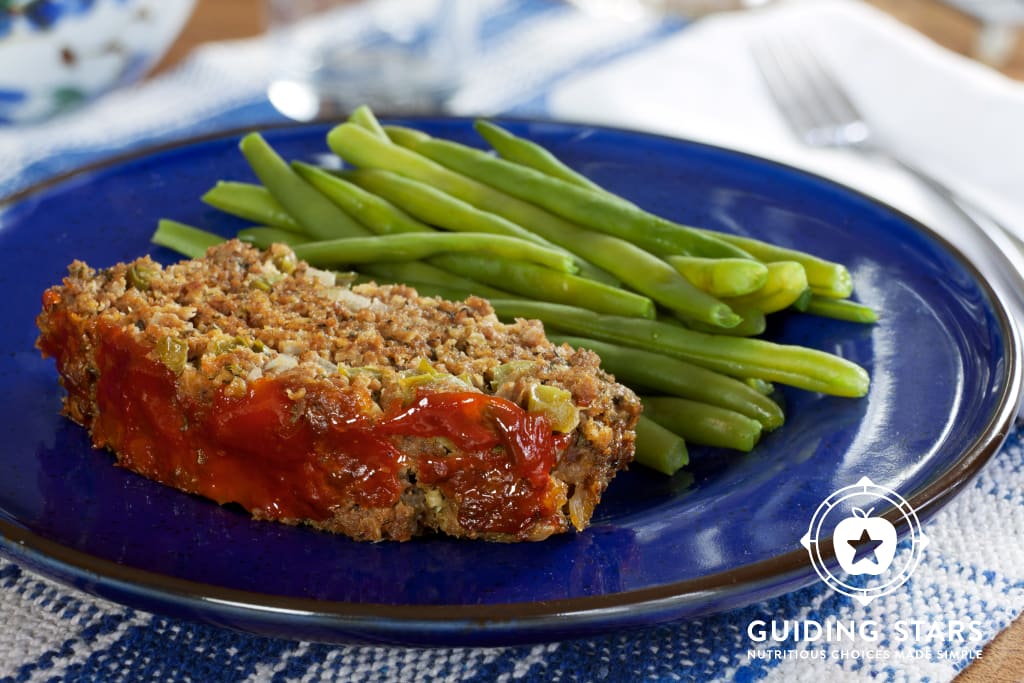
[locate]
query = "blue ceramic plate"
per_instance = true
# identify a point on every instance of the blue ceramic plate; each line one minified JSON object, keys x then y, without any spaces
{"x":944,"y":363}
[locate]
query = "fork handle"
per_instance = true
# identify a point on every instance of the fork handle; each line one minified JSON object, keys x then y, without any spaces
{"x":1008,"y":248}
{"x":1005,"y":253}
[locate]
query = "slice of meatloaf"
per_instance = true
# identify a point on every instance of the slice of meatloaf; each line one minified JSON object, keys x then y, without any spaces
{"x":248,"y":377}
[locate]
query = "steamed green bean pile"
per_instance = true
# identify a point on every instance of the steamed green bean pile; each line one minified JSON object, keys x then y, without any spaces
{"x":672,"y":310}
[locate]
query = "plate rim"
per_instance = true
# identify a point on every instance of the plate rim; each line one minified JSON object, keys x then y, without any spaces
{"x":89,"y":572}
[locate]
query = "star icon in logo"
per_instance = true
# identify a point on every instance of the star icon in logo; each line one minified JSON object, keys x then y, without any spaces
{"x":865,"y":547}
{"x":864,"y":543}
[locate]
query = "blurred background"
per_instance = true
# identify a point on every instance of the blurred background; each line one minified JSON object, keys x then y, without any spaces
{"x":58,"y":54}
{"x":989,"y":30}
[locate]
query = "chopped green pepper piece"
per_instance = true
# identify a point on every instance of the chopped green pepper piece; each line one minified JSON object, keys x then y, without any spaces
{"x":173,"y":353}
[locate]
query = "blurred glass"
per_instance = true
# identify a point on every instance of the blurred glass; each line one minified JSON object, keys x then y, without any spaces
{"x":635,"y":9}
{"x":394,"y":55}
{"x":57,"y":55}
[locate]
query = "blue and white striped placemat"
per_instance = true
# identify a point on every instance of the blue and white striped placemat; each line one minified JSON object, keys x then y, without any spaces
{"x":971,"y":573}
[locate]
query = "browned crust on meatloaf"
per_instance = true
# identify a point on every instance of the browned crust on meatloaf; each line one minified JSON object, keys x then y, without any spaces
{"x":298,"y":324}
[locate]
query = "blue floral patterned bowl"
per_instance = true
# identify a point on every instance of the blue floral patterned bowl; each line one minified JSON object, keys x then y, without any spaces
{"x":57,"y":54}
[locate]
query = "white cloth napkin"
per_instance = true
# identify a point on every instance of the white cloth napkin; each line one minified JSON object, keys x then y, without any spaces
{"x":957,"y":119}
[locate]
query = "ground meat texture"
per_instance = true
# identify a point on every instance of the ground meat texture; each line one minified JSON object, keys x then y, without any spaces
{"x":248,"y":377}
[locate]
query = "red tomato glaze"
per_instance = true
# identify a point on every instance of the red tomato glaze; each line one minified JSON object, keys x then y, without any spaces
{"x":288,"y":452}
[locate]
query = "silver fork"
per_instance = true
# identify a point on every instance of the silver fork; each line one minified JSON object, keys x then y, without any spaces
{"x":821,"y":114}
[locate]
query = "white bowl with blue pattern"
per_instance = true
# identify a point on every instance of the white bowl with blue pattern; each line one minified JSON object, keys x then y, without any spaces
{"x":58,"y":54}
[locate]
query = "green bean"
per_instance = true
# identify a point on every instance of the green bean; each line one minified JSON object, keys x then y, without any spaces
{"x":184,"y":239}
{"x":703,"y":424}
{"x":263,"y":237}
{"x":251,"y":202}
{"x":451,"y":212}
{"x":639,"y":270}
{"x":841,"y":309}
{"x":726,"y":276}
{"x":753,"y":324}
{"x":382,"y":217}
{"x":721,"y":277}
{"x":658,"y":448}
{"x":363,"y":116}
{"x":430,"y":289}
{"x":742,"y":357}
{"x":416,"y":246}
{"x":518,"y":277}
{"x":405,"y":137}
{"x":760,"y":386}
{"x":825,"y":278}
{"x":435,"y":207}
{"x":425,"y":274}
{"x":317,"y":215}
{"x":667,"y":375}
{"x":592,"y":209}
{"x":530,"y":154}
{"x":544,"y":284}
{"x":376,"y":213}
{"x":787,"y":281}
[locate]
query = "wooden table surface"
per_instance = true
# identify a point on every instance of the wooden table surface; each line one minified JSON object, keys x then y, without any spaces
{"x":213,"y":20}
